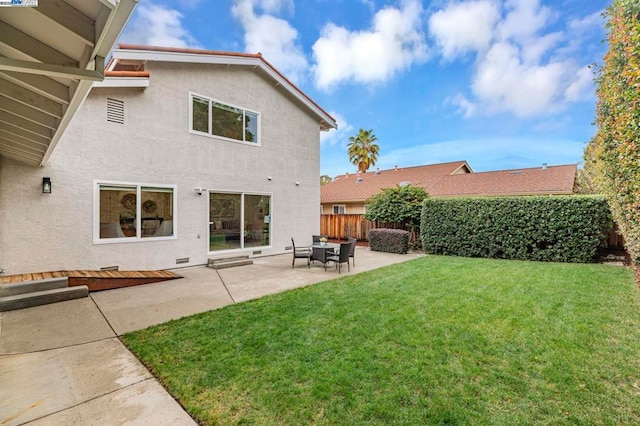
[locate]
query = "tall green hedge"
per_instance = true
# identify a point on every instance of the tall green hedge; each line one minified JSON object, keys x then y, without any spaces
{"x":558,"y":228}
{"x":613,"y":155}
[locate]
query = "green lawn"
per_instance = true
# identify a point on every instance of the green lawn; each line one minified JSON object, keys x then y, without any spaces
{"x":438,"y":340}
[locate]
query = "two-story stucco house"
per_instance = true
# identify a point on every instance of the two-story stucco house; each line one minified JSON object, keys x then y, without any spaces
{"x":177,"y":156}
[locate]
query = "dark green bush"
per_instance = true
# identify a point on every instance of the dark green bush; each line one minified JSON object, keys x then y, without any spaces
{"x":389,"y":240}
{"x":557,"y":229}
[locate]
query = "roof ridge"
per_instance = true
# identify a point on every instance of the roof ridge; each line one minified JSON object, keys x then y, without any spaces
{"x":522,"y":169}
{"x":375,"y":172}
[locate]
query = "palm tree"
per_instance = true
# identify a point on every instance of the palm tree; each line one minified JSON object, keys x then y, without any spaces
{"x":363,"y":149}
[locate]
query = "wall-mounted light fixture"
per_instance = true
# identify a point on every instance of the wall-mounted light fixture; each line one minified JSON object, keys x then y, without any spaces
{"x":46,"y":185}
{"x":297,"y":183}
{"x":269,"y":178}
{"x":198,"y":191}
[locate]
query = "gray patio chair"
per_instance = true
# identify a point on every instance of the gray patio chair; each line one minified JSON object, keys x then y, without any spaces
{"x":321,"y":254}
{"x":300,"y":253}
{"x":352,"y":250}
{"x":341,"y":257}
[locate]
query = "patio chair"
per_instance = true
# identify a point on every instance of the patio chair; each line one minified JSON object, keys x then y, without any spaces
{"x":300,"y":253}
{"x":352,"y":250}
{"x":321,"y":254}
{"x":341,"y":257}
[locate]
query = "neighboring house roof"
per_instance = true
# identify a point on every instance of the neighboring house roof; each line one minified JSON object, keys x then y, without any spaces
{"x":453,"y":180}
{"x":49,"y":57}
{"x":359,"y":187}
{"x":129,"y":59}
{"x":552,"y":180}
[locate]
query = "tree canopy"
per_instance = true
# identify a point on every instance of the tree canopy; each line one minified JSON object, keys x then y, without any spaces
{"x":402,"y":204}
{"x":324,"y":179}
{"x":613,"y":155}
{"x":363,"y":150}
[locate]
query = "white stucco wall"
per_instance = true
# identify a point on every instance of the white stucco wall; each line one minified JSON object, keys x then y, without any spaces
{"x":50,"y":232}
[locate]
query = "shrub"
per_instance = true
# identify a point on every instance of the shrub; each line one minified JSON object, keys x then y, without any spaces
{"x":400,"y":206}
{"x":389,"y":240}
{"x":559,"y":228}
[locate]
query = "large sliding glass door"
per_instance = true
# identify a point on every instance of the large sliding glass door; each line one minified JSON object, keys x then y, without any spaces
{"x":239,"y":220}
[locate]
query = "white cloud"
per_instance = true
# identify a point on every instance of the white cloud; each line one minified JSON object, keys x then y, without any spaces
{"x":518,"y":68}
{"x":275,"y":38}
{"x":465,"y":107}
{"x":274,"y":6}
{"x":582,"y":87}
{"x":464,"y":27}
{"x":157,"y":25}
{"x":523,"y":20}
{"x":336,"y":136}
{"x":394,"y":42}
{"x":587,"y":23}
{"x":504,"y":83}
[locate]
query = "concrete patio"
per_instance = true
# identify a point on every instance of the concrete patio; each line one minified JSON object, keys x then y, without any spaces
{"x":64,"y":363}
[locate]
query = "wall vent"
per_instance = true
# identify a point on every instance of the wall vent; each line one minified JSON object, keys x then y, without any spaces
{"x":115,"y":111}
{"x":257,"y":252}
{"x":109,"y":268}
{"x":182,"y":260}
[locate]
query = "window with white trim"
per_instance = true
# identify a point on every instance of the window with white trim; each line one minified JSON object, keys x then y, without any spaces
{"x":339,"y":209}
{"x":133,"y":212}
{"x":210,"y":117}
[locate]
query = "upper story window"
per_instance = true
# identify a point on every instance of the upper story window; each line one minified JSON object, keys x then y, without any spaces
{"x":213,"y":118}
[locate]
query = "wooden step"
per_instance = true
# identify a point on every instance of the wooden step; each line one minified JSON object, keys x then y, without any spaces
{"x":95,"y":280}
{"x":37,"y":298}
{"x":32,"y":286}
{"x":229,"y":262}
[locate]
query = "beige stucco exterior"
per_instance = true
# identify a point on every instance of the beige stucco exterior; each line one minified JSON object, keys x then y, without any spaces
{"x":43,"y":232}
{"x":350,"y":208}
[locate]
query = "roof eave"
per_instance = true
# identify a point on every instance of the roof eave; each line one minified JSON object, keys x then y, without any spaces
{"x":326,"y":121}
{"x":112,"y":26}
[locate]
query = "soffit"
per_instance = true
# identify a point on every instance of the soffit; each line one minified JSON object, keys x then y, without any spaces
{"x":49,"y":57}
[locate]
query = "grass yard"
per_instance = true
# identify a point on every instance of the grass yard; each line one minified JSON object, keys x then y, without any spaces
{"x":438,"y":340}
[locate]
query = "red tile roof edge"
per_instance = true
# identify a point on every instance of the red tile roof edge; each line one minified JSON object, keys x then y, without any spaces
{"x":128,"y":46}
{"x":564,"y":190}
{"x":126,"y":74}
{"x":460,"y":162}
{"x":528,"y":168}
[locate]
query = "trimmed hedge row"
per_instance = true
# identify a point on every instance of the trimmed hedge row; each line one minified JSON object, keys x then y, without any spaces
{"x":389,"y":240}
{"x":613,"y":155}
{"x":557,"y":229}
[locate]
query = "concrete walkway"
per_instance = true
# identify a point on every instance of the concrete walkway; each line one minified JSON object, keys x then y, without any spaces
{"x":64,"y":363}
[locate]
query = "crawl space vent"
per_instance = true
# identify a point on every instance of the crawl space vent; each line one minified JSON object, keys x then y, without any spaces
{"x":115,"y":111}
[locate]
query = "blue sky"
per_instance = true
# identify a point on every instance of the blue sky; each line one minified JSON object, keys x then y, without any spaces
{"x":500,"y":83}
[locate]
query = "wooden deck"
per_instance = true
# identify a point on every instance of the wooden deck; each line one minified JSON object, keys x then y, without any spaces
{"x":96,"y":280}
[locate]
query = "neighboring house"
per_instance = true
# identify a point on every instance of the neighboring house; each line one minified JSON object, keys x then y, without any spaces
{"x":177,"y":156}
{"x":348,"y":193}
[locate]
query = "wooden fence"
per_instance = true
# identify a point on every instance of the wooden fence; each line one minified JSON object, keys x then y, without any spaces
{"x":343,"y":226}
